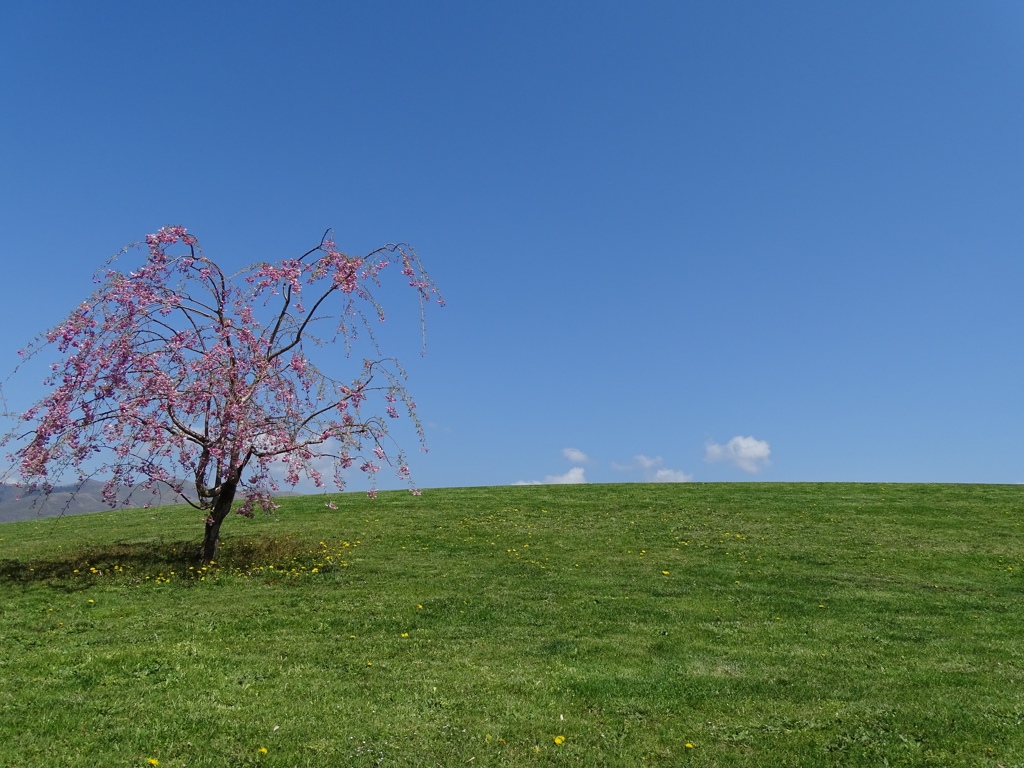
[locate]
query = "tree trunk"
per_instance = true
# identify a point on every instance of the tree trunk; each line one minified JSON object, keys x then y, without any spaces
{"x":221,"y":509}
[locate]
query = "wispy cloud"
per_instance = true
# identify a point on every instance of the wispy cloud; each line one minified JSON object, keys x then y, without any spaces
{"x":653,"y":470}
{"x":747,"y":453}
{"x":663,"y":475}
{"x":575,"y":455}
{"x":648,"y":463}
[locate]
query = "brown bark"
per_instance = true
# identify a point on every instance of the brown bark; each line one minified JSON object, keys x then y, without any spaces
{"x":221,"y":509}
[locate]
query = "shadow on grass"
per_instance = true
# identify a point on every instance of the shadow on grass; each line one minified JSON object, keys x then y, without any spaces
{"x":137,"y":561}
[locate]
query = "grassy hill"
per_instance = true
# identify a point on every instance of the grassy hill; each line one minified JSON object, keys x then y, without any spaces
{"x":617,"y":625}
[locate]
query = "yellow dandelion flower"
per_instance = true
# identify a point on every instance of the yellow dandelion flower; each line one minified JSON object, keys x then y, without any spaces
{"x":153,"y":761}
{"x":666,"y":573}
{"x":263,"y":750}
{"x":559,"y":740}
{"x":689,"y":745}
{"x":405,"y":634}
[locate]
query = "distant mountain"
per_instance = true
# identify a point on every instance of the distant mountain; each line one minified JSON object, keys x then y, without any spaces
{"x":85,"y":497}
{"x":77,"y":499}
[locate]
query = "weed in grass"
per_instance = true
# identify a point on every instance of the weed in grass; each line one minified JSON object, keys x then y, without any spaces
{"x":163,"y":562}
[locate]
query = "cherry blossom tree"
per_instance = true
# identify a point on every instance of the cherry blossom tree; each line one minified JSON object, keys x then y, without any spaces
{"x":221,"y":387}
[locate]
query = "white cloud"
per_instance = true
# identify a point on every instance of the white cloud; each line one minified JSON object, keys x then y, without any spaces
{"x":747,"y":453}
{"x":654,"y":470}
{"x":575,"y":455}
{"x":574,"y":476}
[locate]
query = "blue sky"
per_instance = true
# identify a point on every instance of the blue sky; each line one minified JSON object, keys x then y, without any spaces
{"x":678,"y":240}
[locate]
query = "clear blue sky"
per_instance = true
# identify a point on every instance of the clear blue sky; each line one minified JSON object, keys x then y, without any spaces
{"x":659,"y":226}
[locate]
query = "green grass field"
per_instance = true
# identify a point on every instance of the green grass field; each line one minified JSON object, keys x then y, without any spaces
{"x":616,"y":625}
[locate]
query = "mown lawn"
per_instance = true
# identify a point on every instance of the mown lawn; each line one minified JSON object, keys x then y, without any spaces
{"x":614,"y":625}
